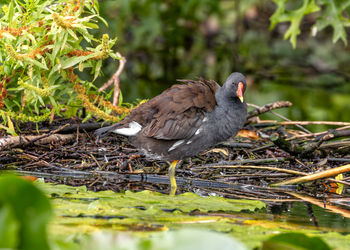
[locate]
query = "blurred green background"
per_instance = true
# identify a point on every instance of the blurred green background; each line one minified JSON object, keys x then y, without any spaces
{"x":168,"y":40}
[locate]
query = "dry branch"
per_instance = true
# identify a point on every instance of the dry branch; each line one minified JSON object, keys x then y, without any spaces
{"x":51,"y":133}
{"x":21,"y":141}
{"x":268,"y":107}
{"x":247,"y":161}
{"x":316,"y":134}
{"x":115,"y":79}
{"x":305,"y":150}
{"x":289,"y":171}
{"x":279,"y":115}
{"x":314,"y":123}
{"x":74,"y":128}
{"x":315,"y":176}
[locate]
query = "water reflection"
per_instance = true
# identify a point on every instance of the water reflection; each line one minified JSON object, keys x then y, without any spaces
{"x":306,"y":214}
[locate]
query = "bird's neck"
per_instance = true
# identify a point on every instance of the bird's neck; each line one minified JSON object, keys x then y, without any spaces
{"x":231,"y":114}
{"x":227,"y":101}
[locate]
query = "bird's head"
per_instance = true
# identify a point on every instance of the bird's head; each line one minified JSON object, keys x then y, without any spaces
{"x":235,"y":86}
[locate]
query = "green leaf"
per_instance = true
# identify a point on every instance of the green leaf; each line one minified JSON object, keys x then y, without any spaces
{"x":76,"y":60}
{"x":71,"y":32}
{"x":295,"y":241}
{"x":9,"y":227}
{"x":64,"y":41}
{"x":87,"y":117}
{"x":41,"y":100}
{"x":8,"y":35}
{"x":11,"y":13}
{"x":109,"y":201}
{"x":36,"y":63}
{"x":53,"y":102}
{"x":333,"y":16}
{"x":294,"y":17}
{"x":92,"y":25}
{"x":31,"y":209}
{"x":9,"y":130}
{"x":32,"y":38}
{"x":103,"y":20}
{"x":97,"y":69}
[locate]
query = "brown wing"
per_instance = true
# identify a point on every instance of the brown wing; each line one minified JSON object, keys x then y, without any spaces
{"x":177,"y":112}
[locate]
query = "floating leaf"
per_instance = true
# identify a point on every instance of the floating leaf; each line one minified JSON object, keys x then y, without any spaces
{"x":185,"y":202}
{"x":295,"y":241}
{"x":175,"y":240}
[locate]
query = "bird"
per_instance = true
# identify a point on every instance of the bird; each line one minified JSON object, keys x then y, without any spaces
{"x":184,"y":120}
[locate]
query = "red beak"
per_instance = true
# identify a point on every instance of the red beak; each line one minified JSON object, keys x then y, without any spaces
{"x":240,"y":91}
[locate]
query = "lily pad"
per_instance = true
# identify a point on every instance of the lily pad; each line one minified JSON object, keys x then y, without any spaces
{"x":183,"y":239}
{"x":106,"y":201}
{"x":295,"y":241}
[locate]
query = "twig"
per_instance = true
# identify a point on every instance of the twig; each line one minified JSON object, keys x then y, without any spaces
{"x":81,"y":127}
{"x":286,"y":119}
{"x":334,"y":134}
{"x":248,"y":161}
{"x":314,"y":123}
{"x":305,"y":150}
{"x":266,"y":168}
{"x":314,"y":134}
{"x":282,"y":117}
{"x":268,"y":107}
{"x":115,"y":79}
{"x":262,"y":147}
{"x":338,"y":159}
{"x":98,"y":164}
{"x":315,"y":176}
{"x":260,"y":167}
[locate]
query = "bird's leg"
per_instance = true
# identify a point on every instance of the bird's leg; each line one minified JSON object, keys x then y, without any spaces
{"x":173,"y":185}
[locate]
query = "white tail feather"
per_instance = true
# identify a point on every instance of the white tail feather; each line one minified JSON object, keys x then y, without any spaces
{"x":133,"y":129}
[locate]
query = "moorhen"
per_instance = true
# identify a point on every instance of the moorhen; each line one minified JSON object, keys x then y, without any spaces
{"x":185,"y":120}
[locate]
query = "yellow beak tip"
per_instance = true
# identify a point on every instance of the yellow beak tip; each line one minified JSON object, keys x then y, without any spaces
{"x":241,"y":98}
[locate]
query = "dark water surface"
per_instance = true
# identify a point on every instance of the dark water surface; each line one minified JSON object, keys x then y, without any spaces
{"x":308,"y":215}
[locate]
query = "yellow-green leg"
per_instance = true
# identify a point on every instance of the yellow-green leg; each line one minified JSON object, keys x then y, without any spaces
{"x":173,"y":185}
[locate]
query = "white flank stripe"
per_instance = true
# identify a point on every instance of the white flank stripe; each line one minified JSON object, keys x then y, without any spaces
{"x":175,"y":145}
{"x":188,"y":142}
{"x":198,"y":131}
{"x":133,"y":129}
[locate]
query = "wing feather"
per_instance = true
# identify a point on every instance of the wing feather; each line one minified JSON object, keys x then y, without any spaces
{"x":177,"y":112}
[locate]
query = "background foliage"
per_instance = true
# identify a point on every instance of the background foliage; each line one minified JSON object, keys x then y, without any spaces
{"x":165,"y":41}
{"x":42,"y":45}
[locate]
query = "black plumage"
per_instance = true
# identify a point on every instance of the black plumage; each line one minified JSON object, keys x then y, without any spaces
{"x":186,"y":118}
